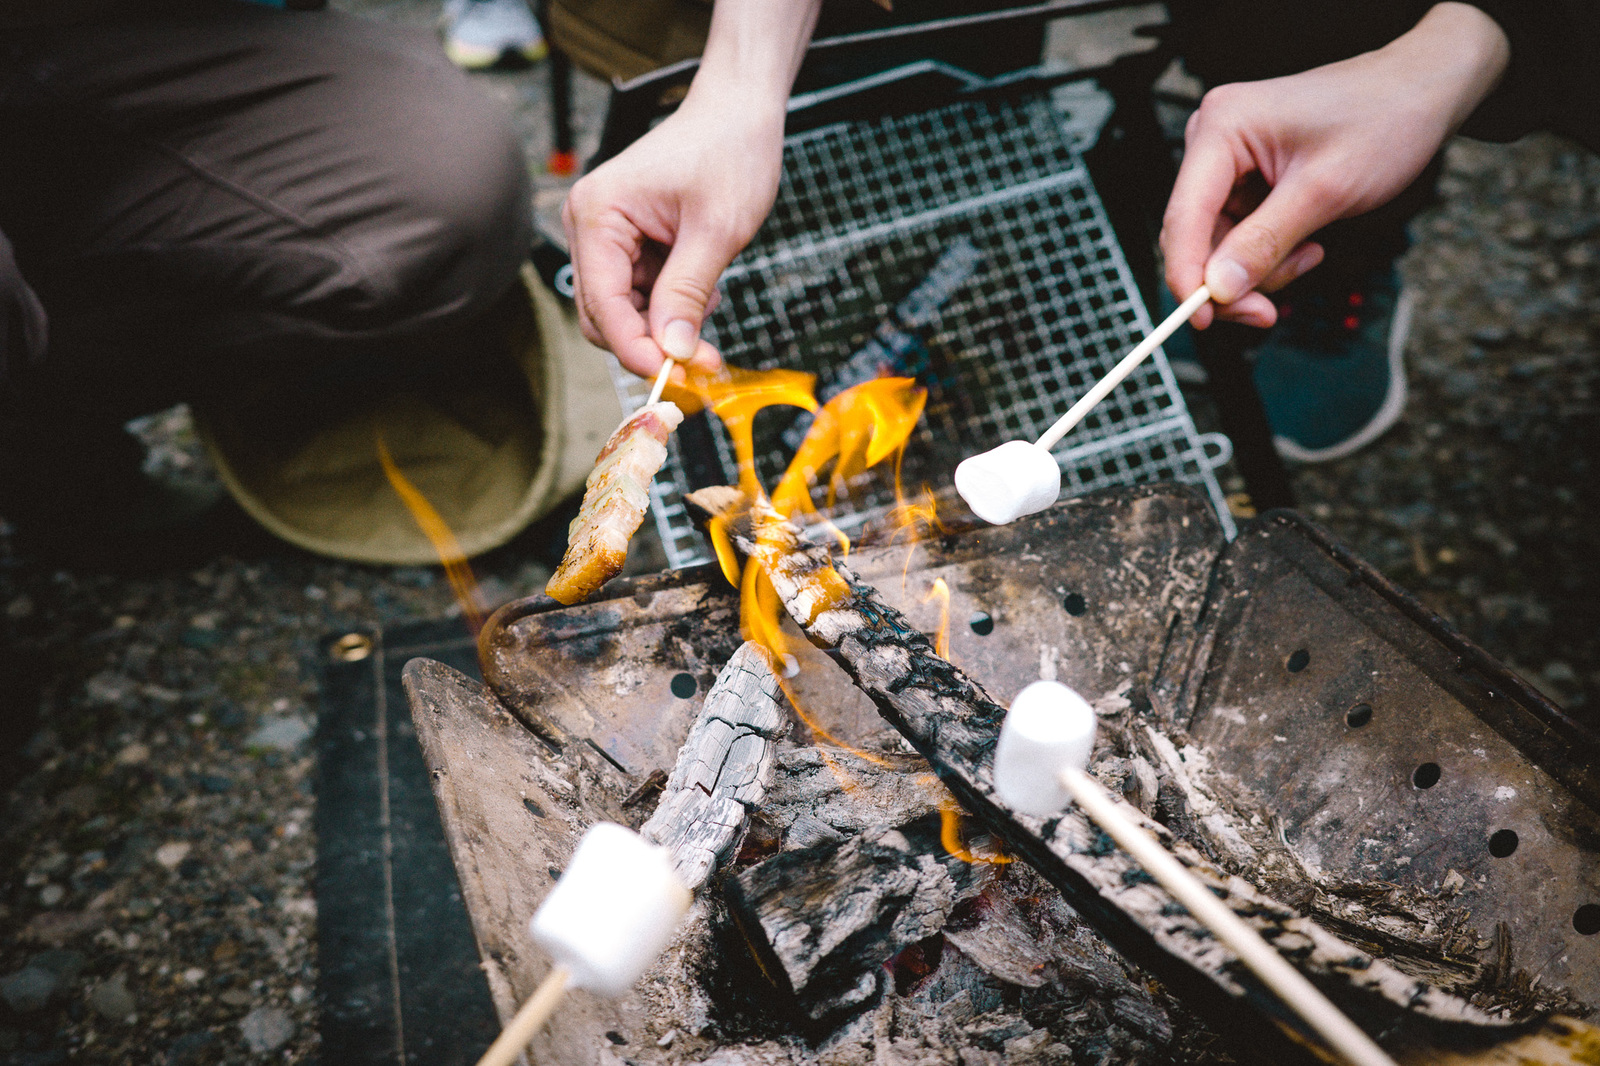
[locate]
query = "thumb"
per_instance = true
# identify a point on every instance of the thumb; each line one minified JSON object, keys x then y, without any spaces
{"x":1265,"y":238}
{"x":682,"y":292}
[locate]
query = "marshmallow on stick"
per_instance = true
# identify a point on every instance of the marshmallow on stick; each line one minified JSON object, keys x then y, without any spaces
{"x":1018,"y":478}
{"x":614,"y":909}
{"x":1039,"y":764}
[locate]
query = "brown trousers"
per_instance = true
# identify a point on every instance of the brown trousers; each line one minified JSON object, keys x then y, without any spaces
{"x":210,"y":195}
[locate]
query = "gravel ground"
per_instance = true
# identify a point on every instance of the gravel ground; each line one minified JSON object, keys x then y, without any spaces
{"x":156,"y":852}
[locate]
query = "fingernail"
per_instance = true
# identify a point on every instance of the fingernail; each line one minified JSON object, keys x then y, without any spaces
{"x":679,"y":339}
{"x":1227,"y":280}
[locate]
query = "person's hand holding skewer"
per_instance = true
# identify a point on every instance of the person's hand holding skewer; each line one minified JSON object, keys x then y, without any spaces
{"x":651,"y":230}
{"x":1269,"y":163}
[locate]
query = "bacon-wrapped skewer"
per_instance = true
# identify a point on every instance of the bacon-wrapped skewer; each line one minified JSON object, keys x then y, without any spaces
{"x":614,"y":501}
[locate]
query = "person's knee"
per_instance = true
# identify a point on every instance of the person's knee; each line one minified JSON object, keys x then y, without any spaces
{"x":448,"y":186}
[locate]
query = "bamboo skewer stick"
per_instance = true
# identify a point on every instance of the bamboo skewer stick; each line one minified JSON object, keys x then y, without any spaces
{"x":529,"y":1020}
{"x":1290,"y":985}
{"x":662,"y":376}
{"x":1167,"y":328}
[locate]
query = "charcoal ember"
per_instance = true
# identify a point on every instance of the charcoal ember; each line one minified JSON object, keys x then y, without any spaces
{"x":821,"y":921}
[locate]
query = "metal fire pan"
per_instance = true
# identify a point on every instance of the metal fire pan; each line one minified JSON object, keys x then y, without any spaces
{"x":1147,"y":608}
{"x":1393,"y":749}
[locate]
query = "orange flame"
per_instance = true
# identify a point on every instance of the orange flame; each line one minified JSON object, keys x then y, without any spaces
{"x":857,"y":429}
{"x":444,"y":542}
{"x":737,"y":395}
{"x":941,"y":636}
{"x":954,"y":839}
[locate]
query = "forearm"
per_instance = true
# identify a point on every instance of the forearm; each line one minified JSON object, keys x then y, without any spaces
{"x":753,"y":53}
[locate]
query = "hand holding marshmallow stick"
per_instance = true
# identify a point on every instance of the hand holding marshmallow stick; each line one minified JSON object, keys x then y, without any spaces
{"x":610,"y":914}
{"x":1017,"y":478}
{"x":1039,"y":763}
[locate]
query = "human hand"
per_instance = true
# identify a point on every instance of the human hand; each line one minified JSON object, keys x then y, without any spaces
{"x":1268,"y":163}
{"x":652,"y":229}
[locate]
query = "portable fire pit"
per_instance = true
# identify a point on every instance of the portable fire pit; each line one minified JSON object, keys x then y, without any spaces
{"x":1422,"y":826}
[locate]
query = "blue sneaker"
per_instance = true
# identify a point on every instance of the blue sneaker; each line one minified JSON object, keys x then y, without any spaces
{"x":1331,"y":374}
{"x":479,"y":34}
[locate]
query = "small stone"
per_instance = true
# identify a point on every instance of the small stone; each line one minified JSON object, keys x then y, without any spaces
{"x":192,"y":1049}
{"x":112,"y":1000}
{"x":66,"y":965}
{"x":216,"y":784}
{"x":20,"y":607}
{"x":235,"y":997}
{"x":28,"y":989}
{"x":134,"y":754}
{"x":172,"y":853}
{"x":51,"y":895}
{"x":266,"y":1029}
{"x":193,"y":976}
{"x":109,"y":689}
{"x":279,"y":734}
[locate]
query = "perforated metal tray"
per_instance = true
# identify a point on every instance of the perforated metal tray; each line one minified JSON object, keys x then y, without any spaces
{"x":864,"y":212}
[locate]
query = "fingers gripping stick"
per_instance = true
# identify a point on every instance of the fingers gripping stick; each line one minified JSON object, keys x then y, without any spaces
{"x":1019,"y":478}
{"x":1039,"y":763}
{"x":612,"y":912}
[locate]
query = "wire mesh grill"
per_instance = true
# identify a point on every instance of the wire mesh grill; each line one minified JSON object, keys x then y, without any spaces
{"x":1043,"y":306}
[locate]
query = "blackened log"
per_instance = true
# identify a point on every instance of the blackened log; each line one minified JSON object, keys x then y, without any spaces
{"x":823,"y":920}
{"x":953,"y":723}
{"x":723,"y":768}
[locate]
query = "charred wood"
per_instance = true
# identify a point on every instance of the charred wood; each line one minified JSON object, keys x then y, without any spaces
{"x":723,"y":768}
{"x":822,"y":920}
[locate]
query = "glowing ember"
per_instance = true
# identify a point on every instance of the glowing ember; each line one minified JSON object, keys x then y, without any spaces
{"x":444,"y":542}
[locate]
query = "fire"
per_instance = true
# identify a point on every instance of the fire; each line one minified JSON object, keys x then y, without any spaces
{"x":954,"y":839}
{"x":941,"y":637}
{"x":856,"y":430}
{"x":433,"y":526}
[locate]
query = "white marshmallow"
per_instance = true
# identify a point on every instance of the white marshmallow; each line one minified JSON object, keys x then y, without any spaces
{"x":1005,"y":483}
{"x":1049,"y":728}
{"x":612,"y":911}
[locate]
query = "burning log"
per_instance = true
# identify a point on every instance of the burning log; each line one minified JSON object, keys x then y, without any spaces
{"x":953,"y":723}
{"x":723,"y":769}
{"x":821,"y":919}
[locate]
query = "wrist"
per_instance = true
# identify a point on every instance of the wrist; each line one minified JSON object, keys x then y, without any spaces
{"x":753,"y":53}
{"x":1455,"y":56}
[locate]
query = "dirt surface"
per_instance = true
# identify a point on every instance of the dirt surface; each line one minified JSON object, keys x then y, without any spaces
{"x":156,"y":850}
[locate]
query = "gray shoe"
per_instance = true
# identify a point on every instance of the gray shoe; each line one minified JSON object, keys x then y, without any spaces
{"x":479,"y":34}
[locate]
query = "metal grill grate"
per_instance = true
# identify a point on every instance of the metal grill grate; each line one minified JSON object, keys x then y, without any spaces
{"x":1045,"y":307}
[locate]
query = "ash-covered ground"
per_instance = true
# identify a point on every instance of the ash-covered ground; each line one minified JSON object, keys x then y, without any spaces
{"x":156,"y":849}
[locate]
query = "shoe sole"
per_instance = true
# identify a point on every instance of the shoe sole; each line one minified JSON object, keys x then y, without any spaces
{"x":1393,"y":403}
{"x":478,"y":57}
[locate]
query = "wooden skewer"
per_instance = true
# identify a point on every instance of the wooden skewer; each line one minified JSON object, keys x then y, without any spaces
{"x":1168,"y":326}
{"x":661,"y":380}
{"x":530,"y":1019}
{"x":1299,"y":994}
